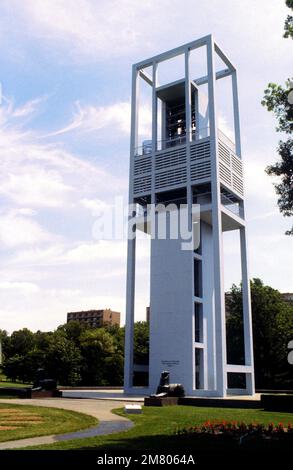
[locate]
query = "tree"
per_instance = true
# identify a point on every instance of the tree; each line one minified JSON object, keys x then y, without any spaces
{"x":73,"y":330}
{"x":62,"y":360}
{"x":118,"y":335}
{"x":73,"y":354}
{"x":12,"y":367}
{"x":42,"y":340}
{"x":114,"y":369}
{"x":284,"y":169}
{"x":115,"y":364}
{"x":97,"y":347}
{"x":289,"y":21}
{"x":279,"y":100}
{"x":272,"y":321}
{"x":4,"y":340}
{"x":141,"y":342}
{"x":21,"y":342}
{"x":23,"y":368}
{"x":3,"y":335}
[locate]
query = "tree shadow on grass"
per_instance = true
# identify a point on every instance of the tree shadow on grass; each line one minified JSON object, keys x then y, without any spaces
{"x":194,"y":444}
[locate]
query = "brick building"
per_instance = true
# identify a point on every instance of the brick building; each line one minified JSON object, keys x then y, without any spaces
{"x":148,"y":314}
{"x":287,"y":297}
{"x":95,"y":318}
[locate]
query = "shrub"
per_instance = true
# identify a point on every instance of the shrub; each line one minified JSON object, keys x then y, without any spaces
{"x":238,"y":429}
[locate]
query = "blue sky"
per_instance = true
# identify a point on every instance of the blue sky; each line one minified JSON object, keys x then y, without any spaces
{"x":64,"y":140}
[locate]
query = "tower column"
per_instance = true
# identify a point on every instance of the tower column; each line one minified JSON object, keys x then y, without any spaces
{"x":219,"y":293}
{"x":154,"y":128}
{"x":131,"y":245}
{"x":247,"y":319}
{"x":246,"y":300}
{"x":236,"y":114}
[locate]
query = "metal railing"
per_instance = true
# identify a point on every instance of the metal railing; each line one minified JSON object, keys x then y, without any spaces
{"x":226,"y":140}
{"x":231,"y":205}
{"x":201,"y":133}
{"x":147,"y":147}
{"x":171,"y":142}
{"x":226,"y":201}
{"x":202,"y":199}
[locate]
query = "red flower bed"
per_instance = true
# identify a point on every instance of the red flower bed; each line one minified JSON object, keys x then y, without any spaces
{"x":240,"y":430}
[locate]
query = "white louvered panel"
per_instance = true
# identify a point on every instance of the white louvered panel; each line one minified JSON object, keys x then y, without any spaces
{"x":225,"y":174}
{"x":224,"y":154}
{"x":172,"y":177}
{"x":171,"y":158}
{"x":237,"y":184}
{"x":237,"y":165}
{"x":200,"y":150}
{"x":200,"y":170}
{"x":142,"y":184}
{"x":142,"y":165}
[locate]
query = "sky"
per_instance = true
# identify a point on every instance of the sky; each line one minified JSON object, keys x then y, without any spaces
{"x":64,"y":143}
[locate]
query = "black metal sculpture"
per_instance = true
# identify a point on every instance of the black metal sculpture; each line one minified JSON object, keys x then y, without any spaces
{"x":42,"y":383}
{"x":169,"y":390}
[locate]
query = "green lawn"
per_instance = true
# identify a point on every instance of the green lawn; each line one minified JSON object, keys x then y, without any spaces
{"x":6,"y":383}
{"x":21,"y":421}
{"x":154,"y":428}
{"x":14,"y":384}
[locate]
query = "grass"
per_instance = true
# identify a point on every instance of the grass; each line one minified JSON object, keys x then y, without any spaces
{"x":13,"y":384}
{"x":20,"y":421}
{"x":154,"y":428}
{"x":6,"y":383}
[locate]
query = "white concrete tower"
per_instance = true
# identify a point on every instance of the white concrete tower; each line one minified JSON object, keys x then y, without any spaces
{"x":188,"y":159}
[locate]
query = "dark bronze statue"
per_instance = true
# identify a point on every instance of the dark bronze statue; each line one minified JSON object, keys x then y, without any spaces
{"x":167,"y":389}
{"x":43,"y":383}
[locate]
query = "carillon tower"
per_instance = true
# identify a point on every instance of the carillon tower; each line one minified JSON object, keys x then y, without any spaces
{"x":189,"y":160}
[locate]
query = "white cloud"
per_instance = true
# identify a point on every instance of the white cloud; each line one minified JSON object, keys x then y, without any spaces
{"x":83,"y":252}
{"x":44,"y":175}
{"x":95,"y":206}
{"x":36,"y":187}
{"x":84,"y":27}
{"x":36,"y":257}
{"x":28,"y":108}
{"x":46,"y":309}
{"x":94,"y":30}
{"x":257,"y":183}
{"x":269,"y":254}
{"x":16,"y":231}
{"x":89,"y":118}
{"x":265,"y":215}
{"x":24,"y":211}
{"x":225,"y":127}
{"x":98,"y":251}
{"x":15,"y":115}
{"x":20,"y":287}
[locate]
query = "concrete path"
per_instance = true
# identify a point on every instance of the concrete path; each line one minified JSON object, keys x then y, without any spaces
{"x":108,"y":422}
{"x":104,"y":394}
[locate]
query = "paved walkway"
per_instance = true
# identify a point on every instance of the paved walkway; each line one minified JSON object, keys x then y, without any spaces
{"x":100,"y":409}
{"x":104,"y":394}
{"x":117,"y":394}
